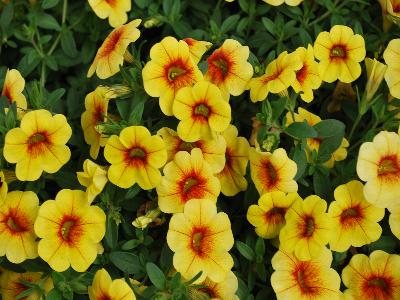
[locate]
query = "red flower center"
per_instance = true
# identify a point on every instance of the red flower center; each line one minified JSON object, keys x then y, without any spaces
{"x":7,"y":93}
{"x":202,"y":110}
{"x":307,"y":277}
{"x":104,"y":297}
{"x":111,"y":2}
{"x":192,"y":187}
{"x":301,"y":74}
{"x":275,"y":215}
{"x":70,"y":230}
{"x":219,"y":65}
{"x":16,"y":222}
{"x":388,"y":166}
{"x":186,"y":146}
{"x":136,"y":156}
{"x":351,"y":216}
{"x":37,"y":143}
{"x":20,"y":287}
{"x":189,"y":41}
{"x":378,"y":287}
{"x":200,"y":244}
{"x":308,"y":226}
{"x":396,"y":7}
{"x":270,"y":175}
{"x":112,"y":41}
{"x":178,"y":74}
{"x":338,"y":52}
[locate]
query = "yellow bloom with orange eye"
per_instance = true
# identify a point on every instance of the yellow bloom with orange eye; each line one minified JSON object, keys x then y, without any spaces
{"x":96,"y":105}
{"x":202,"y":112}
{"x":18,"y":213}
{"x":38,"y":144}
{"x":305,"y":280}
{"x":229,"y":69}
{"x":307,"y":78}
{"x":135,"y":157}
{"x":70,"y":230}
{"x":340,"y":52}
{"x":392,"y":59}
{"x":272,"y":171}
{"x":197,"y":48}
{"x":171,"y":68}
{"x":375,"y":73}
{"x":213,"y":150}
{"x":279,"y":75}
{"x":13,"y":87}
{"x":308,"y":228}
{"x":115,"y":10}
{"x":103,"y":287}
{"x":93,"y":177}
{"x":237,"y":157}
{"x":3,"y":187}
{"x":200,"y":239}
{"x":269,"y":215}
{"x":110,"y":55}
{"x":355,"y":221}
{"x":378,"y":164}
{"x":280,"y":2}
{"x":374,"y":277}
{"x":187,"y":177}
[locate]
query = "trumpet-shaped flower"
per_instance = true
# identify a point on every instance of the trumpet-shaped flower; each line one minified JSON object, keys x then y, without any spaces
{"x":200,"y":239}
{"x":110,"y":55}
{"x":93,"y":177}
{"x":392,"y":74}
{"x":339,"y":51}
{"x":187,"y":177}
{"x":38,"y":144}
{"x":136,"y":157}
{"x":272,"y":171}
{"x":229,"y":69}
{"x":171,"y":68}
{"x":70,"y":230}
{"x":197,"y":48}
{"x":3,"y":187}
{"x":202,"y":112}
{"x":375,"y":73}
{"x":376,"y":277}
{"x":269,"y":215}
{"x":115,"y":11}
{"x":13,"y":86}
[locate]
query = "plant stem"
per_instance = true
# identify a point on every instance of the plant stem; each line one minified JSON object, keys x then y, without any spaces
{"x":329,"y":12}
{"x":358,"y":119}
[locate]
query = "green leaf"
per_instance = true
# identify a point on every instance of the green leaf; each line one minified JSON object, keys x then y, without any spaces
{"x":300,"y":158}
{"x":129,"y":245}
{"x":135,"y":117}
{"x":260,"y":246}
{"x":269,"y":25}
{"x":329,"y":127}
{"x":47,"y":21}
{"x":126,"y":262}
{"x":156,"y":276}
{"x":6,"y":16}
{"x":111,"y":236}
{"x":321,"y":183}
{"x":46,"y":4}
{"x":68,"y":42}
{"x":301,"y":130}
{"x":229,"y":23}
{"x":245,"y":250}
{"x":132,"y":191}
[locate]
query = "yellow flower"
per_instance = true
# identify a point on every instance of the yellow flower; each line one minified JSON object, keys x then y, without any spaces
{"x":103,"y":287}
{"x":13,"y":86}
{"x":96,"y":105}
{"x":269,"y":215}
{"x":197,"y":48}
{"x":171,"y":68}
{"x":339,"y":52}
{"x":279,"y":75}
{"x":18,"y":213}
{"x":143,"y":221}
{"x":307,"y":78}
{"x":308,"y":228}
{"x":272,"y":171}
{"x":115,"y":10}
{"x":304,"y":280}
{"x":213,"y":150}
{"x":70,"y":230}
{"x":280,"y":2}
{"x":38,"y":144}
{"x":200,"y":239}
{"x":3,"y":187}
{"x":355,"y":221}
{"x":187,"y":177}
{"x":237,"y":157}
{"x":375,"y":73}
{"x":379,"y":165}
{"x":136,"y":157}
{"x":93,"y":177}
{"x":228,"y":68}
{"x":392,"y":59}
{"x":110,"y":55}
{"x":375,"y":277}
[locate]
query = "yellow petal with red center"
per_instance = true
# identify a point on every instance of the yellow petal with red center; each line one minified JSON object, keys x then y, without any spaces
{"x":15,"y":147}
{"x":328,"y":71}
{"x":220,"y":230}
{"x":58,"y":131}
{"x":154,"y":77}
{"x":368,"y":160}
{"x":231,"y":182}
{"x":349,"y":71}
{"x":54,"y":157}
{"x":116,"y":18}
{"x":200,"y":211}
{"x":93,"y":223}
{"x":258,"y":90}
{"x":107,"y":69}
{"x":55,"y":253}
{"x":256,"y":215}
{"x":114,"y":151}
{"x":15,"y":250}
{"x":122,"y":175}
{"x":36,"y":121}
{"x":147,"y":177}
{"x":100,"y":285}
{"x":48,"y":220}
{"x":29,"y":169}
{"x":188,"y":264}
{"x":356,"y":48}
{"x":190,"y":131}
{"x":82,"y":255}
{"x":341,"y":34}
{"x":241,"y":73}
{"x":71,"y":202}
{"x":120,"y":290}
{"x":197,"y":48}
{"x":134,"y":136}
{"x":185,"y":100}
{"x":220,"y":116}
{"x":217,"y":265}
{"x":156,"y":152}
{"x":179,"y":233}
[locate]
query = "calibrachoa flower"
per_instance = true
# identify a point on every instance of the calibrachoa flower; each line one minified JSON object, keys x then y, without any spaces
{"x":279,"y":75}
{"x":379,"y":165}
{"x":93,"y":177}
{"x":375,"y":277}
{"x":170,"y":69}
{"x":18,"y":213}
{"x":136,"y":157}
{"x":355,"y":221}
{"x":96,"y":105}
{"x":272,"y":171}
{"x":213,"y":150}
{"x":308,"y":228}
{"x":13,"y":86}
{"x":375,"y":73}
{"x":197,"y":48}
{"x":103,"y":287}
{"x":269,"y":215}
{"x":38,"y":144}
{"x":114,"y":10}
{"x":110,"y":55}
{"x":280,"y":2}
{"x":339,"y":51}
{"x":308,"y":280}
{"x":391,"y":8}
{"x":237,"y":157}
{"x":200,"y":239}
{"x":187,"y":177}
{"x":3,"y":186}
{"x":70,"y":230}
{"x":307,"y":78}
{"x":229,"y":69}
{"x":392,"y":59}
{"x":202,"y":112}
{"x":394,"y":222}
